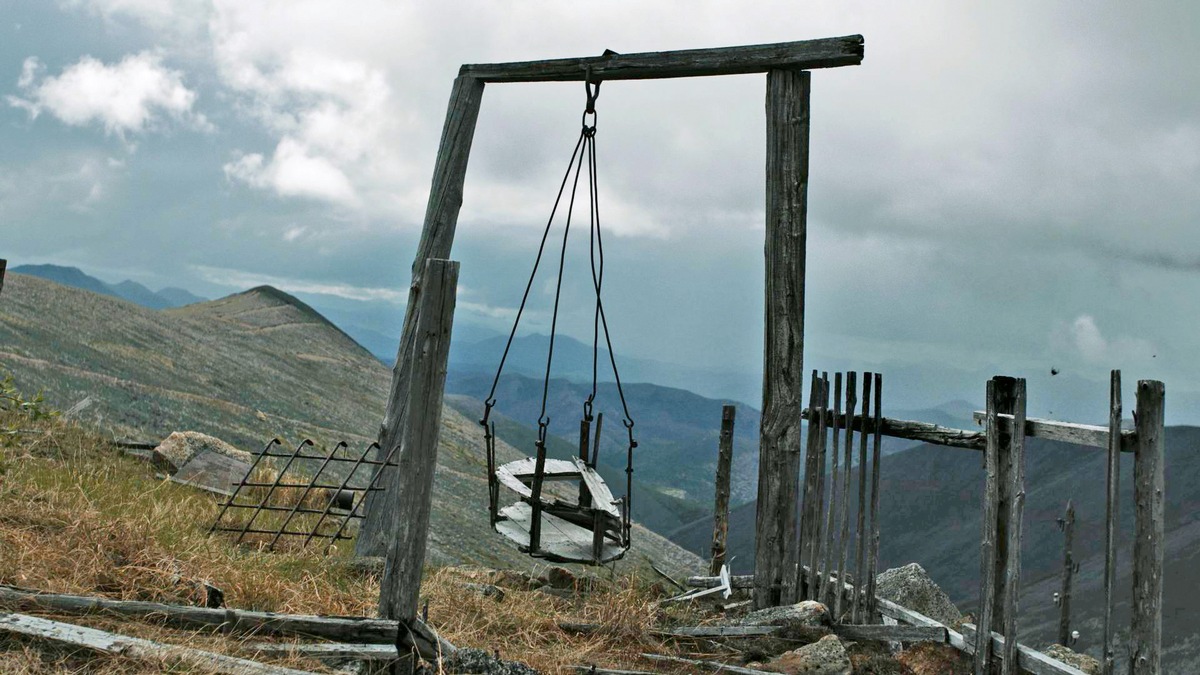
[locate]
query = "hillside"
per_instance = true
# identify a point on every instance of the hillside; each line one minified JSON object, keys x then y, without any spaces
{"x":244,"y":368}
{"x":126,"y":290}
{"x":930,"y":503}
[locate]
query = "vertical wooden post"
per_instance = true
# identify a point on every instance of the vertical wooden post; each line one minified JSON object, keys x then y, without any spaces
{"x":1145,"y":628}
{"x":3,"y":268}
{"x":400,"y":586}
{"x":1111,"y":514}
{"x":876,"y":450}
{"x":1005,"y":405}
{"x":991,"y":505}
{"x":844,"y":537}
{"x":1016,"y":511}
{"x":721,"y":509}
{"x":1064,"y":596}
{"x":798,"y":583}
{"x":826,"y":590}
{"x":585,"y":440}
{"x":441,"y":217}
{"x":787,"y":108}
{"x":860,"y":570}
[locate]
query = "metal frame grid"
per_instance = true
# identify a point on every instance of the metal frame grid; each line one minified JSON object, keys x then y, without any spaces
{"x":291,"y":478}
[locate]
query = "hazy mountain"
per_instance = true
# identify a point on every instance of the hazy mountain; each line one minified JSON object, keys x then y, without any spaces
{"x":246,"y":368}
{"x":126,"y":290}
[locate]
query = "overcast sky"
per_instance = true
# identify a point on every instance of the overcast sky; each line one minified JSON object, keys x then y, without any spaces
{"x":1003,"y":188}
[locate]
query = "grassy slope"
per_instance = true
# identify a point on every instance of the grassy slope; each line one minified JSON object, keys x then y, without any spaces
{"x":246,"y":368}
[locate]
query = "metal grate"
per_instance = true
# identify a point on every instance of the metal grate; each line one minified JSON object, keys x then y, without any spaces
{"x":305,"y":492}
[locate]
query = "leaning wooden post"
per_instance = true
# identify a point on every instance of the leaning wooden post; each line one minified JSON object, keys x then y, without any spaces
{"x":405,"y":555}
{"x":1016,"y":511}
{"x":1111,"y":513}
{"x":721,"y":510}
{"x":441,"y":217}
{"x":1145,"y":628}
{"x":1064,"y":596}
{"x":787,"y":107}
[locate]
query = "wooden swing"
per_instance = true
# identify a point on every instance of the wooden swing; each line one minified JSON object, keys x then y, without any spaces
{"x":593,"y":529}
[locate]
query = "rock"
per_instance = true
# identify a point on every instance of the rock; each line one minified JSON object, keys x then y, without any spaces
{"x":826,"y":656}
{"x":182,"y":447}
{"x":1073,"y":658}
{"x":931,"y":658}
{"x":911,"y":587}
{"x":487,"y":591}
{"x":479,"y":662}
{"x":561,"y":578}
{"x":808,"y":613}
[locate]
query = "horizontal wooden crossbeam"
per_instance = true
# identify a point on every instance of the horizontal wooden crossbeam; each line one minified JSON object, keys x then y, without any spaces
{"x":1067,"y":432}
{"x":806,"y":54}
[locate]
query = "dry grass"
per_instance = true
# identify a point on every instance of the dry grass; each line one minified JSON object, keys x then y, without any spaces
{"x":78,"y":516}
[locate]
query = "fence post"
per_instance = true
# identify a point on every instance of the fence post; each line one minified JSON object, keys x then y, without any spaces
{"x":400,"y":586}
{"x":3,"y":267}
{"x":996,"y":511}
{"x":721,"y":510}
{"x":1111,"y":513}
{"x":787,"y":104}
{"x":1145,"y":628}
{"x":1064,"y":598}
{"x":1016,"y":511}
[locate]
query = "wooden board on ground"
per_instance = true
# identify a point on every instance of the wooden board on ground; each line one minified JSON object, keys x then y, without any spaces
{"x":561,"y":541}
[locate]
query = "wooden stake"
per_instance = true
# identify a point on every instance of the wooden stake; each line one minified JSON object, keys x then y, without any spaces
{"x":441,"y":218}
{"x":828,"y":589}
{"x":400,"y":586}
{"x":873,"y":554}
{"x":806,"y":496}
{"x":721,"y":509}
{"x":844,"y":538}
{"x":1064,"y":597}
{"x":817,"y":508}
{"x":1012,"y":568}
{"x":1111,"y":514}
{"x":1145,"y":628}
{"x":787,"y":104}
{"x":860,"y":569}
{"x":991,"y":504}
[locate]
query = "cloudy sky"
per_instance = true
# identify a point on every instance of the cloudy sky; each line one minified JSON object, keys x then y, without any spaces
{"x":1000,"y":188}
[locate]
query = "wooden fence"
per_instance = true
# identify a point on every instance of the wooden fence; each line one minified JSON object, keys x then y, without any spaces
{"x":1003,"y":444}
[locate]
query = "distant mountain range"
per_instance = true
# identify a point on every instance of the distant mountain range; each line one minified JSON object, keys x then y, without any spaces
{"x":164,"y":298}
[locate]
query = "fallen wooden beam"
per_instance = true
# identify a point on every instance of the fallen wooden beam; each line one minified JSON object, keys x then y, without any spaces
{"x":1030,"y":660}
{"x":593,"y":670}
{"x":343,"y":629}
{"x":891,"y":633}
{"x":325,"y":650}
{"x":711,"y":665}
{"x":721,"y":631}
{"x":739,"y":581}
{"x":905,"y":615}
{"x":1068,"y":432}
{"x":137,"y":648}
{"x":803,"y":55}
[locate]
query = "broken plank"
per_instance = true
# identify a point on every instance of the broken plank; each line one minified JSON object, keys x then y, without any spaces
{"x":594,"y":670}
{"x":137,"y":648}
{"x":721,"y":631}
{"x":1030,"y":660}
{"x":324,"y":650}
{"x":602,"y":497}
{"x":913,"y":431}
{"x":561,"y":540}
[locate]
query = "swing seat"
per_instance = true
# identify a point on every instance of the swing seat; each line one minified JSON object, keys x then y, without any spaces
{"x":570,"y":532}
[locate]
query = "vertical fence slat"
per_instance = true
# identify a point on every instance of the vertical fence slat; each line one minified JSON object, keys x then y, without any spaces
{"x":1064,"y":596}
{"x":991,"y":502}
{"x":873,"y":553}
{"x":721,"y":509}
{"x":830,"y":521}
{"x":815,"y":516}
{"x":1016,"y":505}
{"x":810,"y":444}
{"x":861,"y":529}
{"x":1111,"y":515}
{"x":844,"y":537}
{"x":1145,"y":629}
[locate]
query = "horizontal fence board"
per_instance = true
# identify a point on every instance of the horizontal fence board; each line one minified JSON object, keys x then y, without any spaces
{"x":1068,"y":432}
{"x":1030,"y":660}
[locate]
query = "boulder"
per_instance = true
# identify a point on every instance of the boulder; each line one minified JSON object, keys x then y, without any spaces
{"x":911,"y":587}
{"x":202,"y":461}
{"x":809,"y":613}
{"x":479,"y":662}
{"x":826,"y":656}
{"x":1073,"y":658}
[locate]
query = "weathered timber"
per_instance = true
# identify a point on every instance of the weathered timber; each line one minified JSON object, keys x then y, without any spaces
{"x":991,"y":504}
{"x":737,"y":581}
{"x":400,"y":586}
{"x":806,"y":54}
{"x":827,"y":588}
{"x":324,"y":650}
{"x":844,"y":536}
{"x":711,"y":665}
{"x":1088,"y":435}
{"x":1029,"y":660}
{"x":585,"y":440}
{"x":1145,"y":627}
{"x":1111,"y":514}
{"x":1068,"y":573}
{"x":816,"y":515}
{"x":721,"y":631}
{"x":3,"y":268}
{"x":1005,"y":405}
{"x":860,"y":555}
{"x":849,"y":631}
{"x":1016,"y":505}
{"x":787,"y":107}
{"x":437,"y":236}
{"x":873,"y":550}
{"x":806,"y":496}
{"x":132,"y":647}
{"x":596,"y":670}
{"x":235,"y":621}
{"x":721,"y":508}
{"x":915,"y":431}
